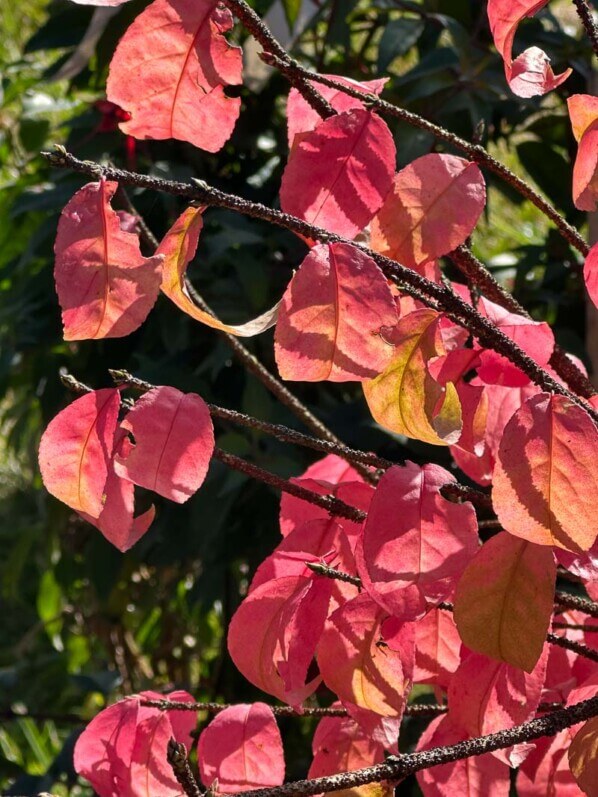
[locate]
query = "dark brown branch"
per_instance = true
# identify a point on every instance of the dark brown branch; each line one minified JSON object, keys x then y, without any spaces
{"x":564,"y":600}
{"x":328,"y":502}
{"x":396,"y":768}
{"x":331,"y":572}
{"x":477,"y":274}
{"x":575,"y":647}
{"x":587,"y":20}
{"x":176,"y":755}
{"x":285,"y":64}
{"x":434,"y":295}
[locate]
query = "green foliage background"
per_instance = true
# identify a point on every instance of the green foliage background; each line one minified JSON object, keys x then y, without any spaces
{"x":81,"y":624}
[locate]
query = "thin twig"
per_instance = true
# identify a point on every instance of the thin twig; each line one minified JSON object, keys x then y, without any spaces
{"x":328,"y":502}
{"x":587,"y":20}
{"x":437,"y":296}
{"x":575,"y":647}
{"x":568,"y":601}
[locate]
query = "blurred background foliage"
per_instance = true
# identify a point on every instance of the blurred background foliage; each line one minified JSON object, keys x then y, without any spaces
{"x":81,"y":624}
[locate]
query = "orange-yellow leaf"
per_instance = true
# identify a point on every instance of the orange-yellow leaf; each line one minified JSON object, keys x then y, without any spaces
{"x":178,"y":247}
{"x":405,"y":398}
{"x":583,"y":757}
{"x":546,"y":474}
{"x":504,"y":600}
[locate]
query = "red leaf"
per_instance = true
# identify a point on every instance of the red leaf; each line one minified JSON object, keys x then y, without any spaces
{"x":332,"y":318}
{"x":545,"y":772}
{"x":179,"y":246}
{"x":274,"y":632}
{"x":241,"y":748}
{"x":301,"y":117}
{"x":486,"y":696}
{"x":583,"y":112}
{"x":360,"y":670}
{"x":504,"y":600}
{"x":534,"y":337}
{"x":338,"y":174}
{"x":75,"y":450}
{"x":437,"y":649}
{"x":590,"y":274}
{"x":123,"y":749}
{"x":294,"y":512}
{"x":546,"y":476}
{"x":174,"y":441}
{"x":416,"y":544}
{"x":530,"y":74}
{"x":478,"y":776}
{"x":341,"y":745}
{"x":169,"y":70}
{"x":116,"y":521}
{"x":332,"y":469}
{"x":434,"y":204}
{"x":105,"y":287}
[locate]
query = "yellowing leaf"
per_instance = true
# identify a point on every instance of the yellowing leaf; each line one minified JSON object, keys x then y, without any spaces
{"x":583,"y":757}
{"x":405,"y":398}
{"x":504,"y":600}
{"x":178,"y":247}
{"x":546,"y":474}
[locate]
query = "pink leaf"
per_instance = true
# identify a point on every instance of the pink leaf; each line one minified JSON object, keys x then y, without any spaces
{"x":122,"y":752}
{"x":333,"y":469}
{"x":178,"y":247}
{"x":357,"y":668}
{"x":75,"y":450}
{"x":338,"y":174}
{"x":241,"y":748}
{"x":434,"y":205}
{"x":302,"y":118}
{"x":116,"y":521}
{"x":169,"y":71}
{"x":530,"y":74}
{"x":341,"y":745}
{"x":415,"y":542}
{"x":437,"y":649}
{"x":294,"y":512}
{"x":486,"y":696}
{"x":274,"y":632}
{"x":545,"y":772}
{"x":174,"y":441}
{"x":546,"y":476}
{"x":534,"y":337}
{"x":583,"y":112}
{"x":105,"y":287}
{"x":590,"y":274}
{"x":332,"y":318}
{"x":478,"y":776}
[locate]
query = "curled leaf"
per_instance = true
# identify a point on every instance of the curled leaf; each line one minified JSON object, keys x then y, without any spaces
{"x":405,"y":398}
{"x":178,"y":248}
